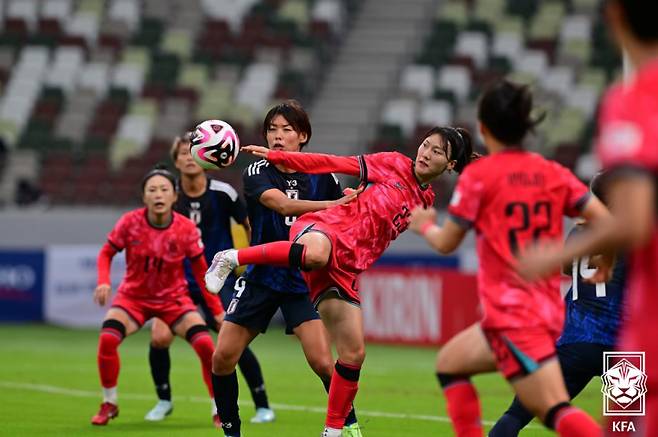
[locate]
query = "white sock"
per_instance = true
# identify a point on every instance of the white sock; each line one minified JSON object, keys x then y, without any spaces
{"x":232,"y":255}
{"x":213,"y":408}
{"x":110,"y":395}
{"x":332,"y":432}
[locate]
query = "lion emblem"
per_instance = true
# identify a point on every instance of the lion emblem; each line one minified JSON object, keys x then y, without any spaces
{"x":624,"y":383}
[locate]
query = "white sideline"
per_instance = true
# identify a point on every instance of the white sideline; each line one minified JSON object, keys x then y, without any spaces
{"x":286,"y":407}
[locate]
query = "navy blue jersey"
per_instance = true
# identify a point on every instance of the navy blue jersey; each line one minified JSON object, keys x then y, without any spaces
{"x":268,"y":225}
{"x":212,"y":213}
{"x":593,"y":311}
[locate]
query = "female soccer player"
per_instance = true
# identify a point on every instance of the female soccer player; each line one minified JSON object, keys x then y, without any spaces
{"x":511,"y":197}
{"x":276,"y":195}
{"x":333,"y":246}
{"x":594,"y":313}
{"x":210,"y":204}
{"x":157,"y":240}
{"x":628,"y":149}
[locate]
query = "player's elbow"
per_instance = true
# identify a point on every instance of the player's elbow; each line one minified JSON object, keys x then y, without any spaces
{"x":445,"y":247}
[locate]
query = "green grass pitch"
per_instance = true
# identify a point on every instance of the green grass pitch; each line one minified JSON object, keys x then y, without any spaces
{"x":49,"y":386}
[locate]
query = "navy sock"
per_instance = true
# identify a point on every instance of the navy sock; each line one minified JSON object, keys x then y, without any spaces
{"x":252,"y":373}
{"x":225,"y":388}
{"x":160,"y":365}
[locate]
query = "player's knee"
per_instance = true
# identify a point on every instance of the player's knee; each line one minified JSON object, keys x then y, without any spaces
{"x":354,"y":355}
{"x":161,"y":339}
{"x":112,"y":334}
{"x":224,"y":360}
{"x":315,"y":257}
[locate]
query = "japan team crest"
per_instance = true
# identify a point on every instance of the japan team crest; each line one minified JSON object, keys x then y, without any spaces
{"x":624,"y":384}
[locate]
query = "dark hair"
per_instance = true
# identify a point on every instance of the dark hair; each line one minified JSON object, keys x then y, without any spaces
{"x":641,"y":18}
{"x":186,"y":139}
{"x":460,"y":145}
{"x":505,"y":109}
{"x":294,"y":114}
{"x":159,"y":170}
{"x":597,"y":185}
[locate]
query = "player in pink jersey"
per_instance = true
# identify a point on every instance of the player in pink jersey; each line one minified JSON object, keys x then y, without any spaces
{"x":511,"y":198}
{"x":628,"y":148}
{"x":333,"y":246}
{"x":156,"y":240}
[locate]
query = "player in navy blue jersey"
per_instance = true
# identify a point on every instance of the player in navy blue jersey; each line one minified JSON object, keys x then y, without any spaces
{"x":276,"y":196}
{"x":594,"y":313}
{"x":210,"y":204}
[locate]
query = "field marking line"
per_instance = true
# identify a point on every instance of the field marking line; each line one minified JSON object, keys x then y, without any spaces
{"x":44,"y":388}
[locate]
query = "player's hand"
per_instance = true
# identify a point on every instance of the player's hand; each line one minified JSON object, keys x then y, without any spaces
{"x":539,"y":261}
{"x":349,"y":195}
{"x":102,"y":294}
{"x":604,"y":265}
{"x":419,"y":216}
{"x":259,"y":151}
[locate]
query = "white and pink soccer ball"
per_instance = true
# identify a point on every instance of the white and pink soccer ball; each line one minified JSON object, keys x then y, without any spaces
{"x":215,"y":144}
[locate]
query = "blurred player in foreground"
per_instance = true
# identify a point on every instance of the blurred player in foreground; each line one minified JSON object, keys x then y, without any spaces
{"x":276,"y":196}
{"x":157,"y":240}
{"x":628,"y":148}
{"x":511,"y":198}
{"x":334,"y":246}
{"x":210,"y":204}
{"x":594,"y":313}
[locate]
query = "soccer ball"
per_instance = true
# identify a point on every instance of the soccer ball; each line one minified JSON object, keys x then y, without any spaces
{"x":215,"y":144}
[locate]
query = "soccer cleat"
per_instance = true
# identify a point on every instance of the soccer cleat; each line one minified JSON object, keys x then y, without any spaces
{"x":222,"y":265}
{"x":331,"y":432}
{"x":353,"y":430}
{"x":263,"y":415}
{"x":108,"y":411}
{"x":217,"y":421}
{"x":161,"y":410}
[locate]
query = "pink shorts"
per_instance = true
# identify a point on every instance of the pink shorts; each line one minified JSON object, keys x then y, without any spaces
{"x":520,"y":351}
{"x":141,"y":310}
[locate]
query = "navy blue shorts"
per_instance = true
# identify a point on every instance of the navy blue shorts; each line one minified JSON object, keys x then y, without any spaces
{"x":253,"y":305}
{"x":225,"y":295}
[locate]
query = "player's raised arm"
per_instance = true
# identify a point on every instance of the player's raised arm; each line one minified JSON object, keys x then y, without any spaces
{"x":309,"y":162}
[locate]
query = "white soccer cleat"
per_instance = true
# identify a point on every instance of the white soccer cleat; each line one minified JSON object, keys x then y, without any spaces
{"x":161,"y":410}
{"x":263,"y":415}
{"x":222,"y":265}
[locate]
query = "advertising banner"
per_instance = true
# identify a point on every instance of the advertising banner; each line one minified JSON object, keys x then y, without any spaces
{"x":421,"y":306}
{"x":70,"y":284}
{"x":21,"y":285}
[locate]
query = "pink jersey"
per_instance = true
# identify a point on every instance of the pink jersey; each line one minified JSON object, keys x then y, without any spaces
{"x":512,"y":199}
{"x":367,"y":225}
{"x":154,"y":256}
{"x":629,"y":143}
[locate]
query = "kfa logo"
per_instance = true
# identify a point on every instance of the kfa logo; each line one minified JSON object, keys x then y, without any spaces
{"x":624,"y":384}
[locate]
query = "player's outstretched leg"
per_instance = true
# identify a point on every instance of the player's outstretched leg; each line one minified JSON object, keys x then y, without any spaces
{"x":112,"y":334}
{"x":252,"y":373}
{"x":278,"y":253}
